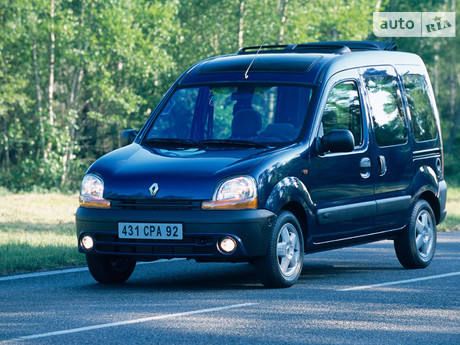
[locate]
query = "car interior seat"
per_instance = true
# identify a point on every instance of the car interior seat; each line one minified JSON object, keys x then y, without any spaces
{"x":246,"y":124}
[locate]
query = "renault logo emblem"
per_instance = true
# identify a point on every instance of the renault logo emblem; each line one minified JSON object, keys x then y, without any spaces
{"x":154,"y":189}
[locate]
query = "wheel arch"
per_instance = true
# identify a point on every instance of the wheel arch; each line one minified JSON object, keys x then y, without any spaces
{"x":290,"y":194}
{"x":433,"y":201}
{"x":426,"y":185}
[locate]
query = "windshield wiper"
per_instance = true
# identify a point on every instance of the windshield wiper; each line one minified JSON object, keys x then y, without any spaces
{"x":232,"y":142}
{"x":173,"y":142}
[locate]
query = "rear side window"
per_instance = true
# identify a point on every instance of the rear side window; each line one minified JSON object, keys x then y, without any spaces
{"x":387,"y":114}
{"x":423,"y":120}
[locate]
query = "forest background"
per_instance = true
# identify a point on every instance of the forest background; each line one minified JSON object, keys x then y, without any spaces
{"x":75,"y":73}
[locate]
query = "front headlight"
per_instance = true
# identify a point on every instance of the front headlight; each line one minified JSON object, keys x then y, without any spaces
{"x":92,"y":191}
{"x":234,"y":193}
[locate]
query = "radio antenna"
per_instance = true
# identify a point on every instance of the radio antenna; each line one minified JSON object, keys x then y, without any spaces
{"x":246,"y":74}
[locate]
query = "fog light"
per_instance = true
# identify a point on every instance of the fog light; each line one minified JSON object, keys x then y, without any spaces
{"x":227,"y":245}
{"x":87,"y":242}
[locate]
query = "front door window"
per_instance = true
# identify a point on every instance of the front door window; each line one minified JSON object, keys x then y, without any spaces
{"x":343,"y":111}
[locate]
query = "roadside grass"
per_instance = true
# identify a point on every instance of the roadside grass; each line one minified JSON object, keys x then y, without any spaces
{"x":37,"y":231}
{"x":452,"y":221}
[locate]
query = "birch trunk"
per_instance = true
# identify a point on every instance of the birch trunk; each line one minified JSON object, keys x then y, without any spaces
{"x":41,"y":149}
{"x":241,"y":26}
{"x":72,"y":113}
{"x":284,"y":5}
{"x":52,"y":57}
{"x":454,"y":83}
{"x":6,"y":149}
{"x":455,"y":111}
{"x":51,"y":79}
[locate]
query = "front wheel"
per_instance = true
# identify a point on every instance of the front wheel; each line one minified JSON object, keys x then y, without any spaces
{"x":107,"y":269}
{"x":282,"y":265}
{"x":416,"y":245}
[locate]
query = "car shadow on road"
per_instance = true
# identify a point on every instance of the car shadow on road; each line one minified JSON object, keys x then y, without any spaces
{"x":214,"y":276}
{"x":192,"y":276}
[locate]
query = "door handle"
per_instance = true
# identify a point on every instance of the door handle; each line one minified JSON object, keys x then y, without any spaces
{"x":365,"y":167}
{"x":382,"y":165}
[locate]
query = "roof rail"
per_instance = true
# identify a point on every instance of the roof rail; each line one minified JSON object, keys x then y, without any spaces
{"x":321,"y":47}
{"x":329,"y":47}
{"x":357,"y":45}
{"x":263,"y":49}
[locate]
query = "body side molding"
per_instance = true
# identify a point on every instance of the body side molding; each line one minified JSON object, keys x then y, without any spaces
{"x":360,"y":210}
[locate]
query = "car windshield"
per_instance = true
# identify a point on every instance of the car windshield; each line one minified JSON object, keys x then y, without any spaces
{"x":220,"y":115}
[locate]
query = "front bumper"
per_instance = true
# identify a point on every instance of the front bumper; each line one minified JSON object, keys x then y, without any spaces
{"x":202,"y":229}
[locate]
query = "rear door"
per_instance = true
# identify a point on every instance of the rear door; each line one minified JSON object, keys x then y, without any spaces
{"x":392,"y":156}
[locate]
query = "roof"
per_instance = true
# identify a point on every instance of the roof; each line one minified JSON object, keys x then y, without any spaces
{"x":299,"y":63}
{"x":270,"y":63}
{"x":337,"y":47}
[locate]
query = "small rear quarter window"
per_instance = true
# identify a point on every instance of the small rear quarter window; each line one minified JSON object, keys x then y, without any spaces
{"x":421,"y":110}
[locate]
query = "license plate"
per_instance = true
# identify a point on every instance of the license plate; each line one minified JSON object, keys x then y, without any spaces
{"x":150,"y":231}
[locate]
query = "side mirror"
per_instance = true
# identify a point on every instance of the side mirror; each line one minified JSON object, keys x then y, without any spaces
{"x":128,"y":136}
{"x":337,"y":140}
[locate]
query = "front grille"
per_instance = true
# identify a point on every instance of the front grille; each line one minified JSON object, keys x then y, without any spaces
{"x":156,"y":205}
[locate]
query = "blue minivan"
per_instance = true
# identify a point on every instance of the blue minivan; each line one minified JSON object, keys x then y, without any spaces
{"x":269,"y":154}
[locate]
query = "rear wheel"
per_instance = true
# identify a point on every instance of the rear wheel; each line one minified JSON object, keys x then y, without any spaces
{"x":416,"y":245}
{"x":282,"y":265}
{"x":108,"y":269}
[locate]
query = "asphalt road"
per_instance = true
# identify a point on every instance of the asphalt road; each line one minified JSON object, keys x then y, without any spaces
{"x":357,"y":295}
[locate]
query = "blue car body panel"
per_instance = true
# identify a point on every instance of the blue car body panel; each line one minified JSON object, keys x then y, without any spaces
{"x":335,"y":205}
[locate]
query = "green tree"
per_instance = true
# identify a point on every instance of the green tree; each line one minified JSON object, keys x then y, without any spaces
{"x":74,"y":73}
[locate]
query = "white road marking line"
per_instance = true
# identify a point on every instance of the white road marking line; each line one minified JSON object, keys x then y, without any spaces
{"x":131,"y":322}
{"x":43,"y":274}
{"x":363,"y":287}
{"x":67,"y":270}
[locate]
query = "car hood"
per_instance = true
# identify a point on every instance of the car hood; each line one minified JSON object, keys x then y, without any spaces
{"x":189,"y":174}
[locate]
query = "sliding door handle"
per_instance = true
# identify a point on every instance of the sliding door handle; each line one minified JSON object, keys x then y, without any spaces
{"x":382,"y":165}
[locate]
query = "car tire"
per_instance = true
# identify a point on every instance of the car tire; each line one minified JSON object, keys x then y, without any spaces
{"x":108,"y":269}
{"x":282,"y":265}
{"x":416,"y":245}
